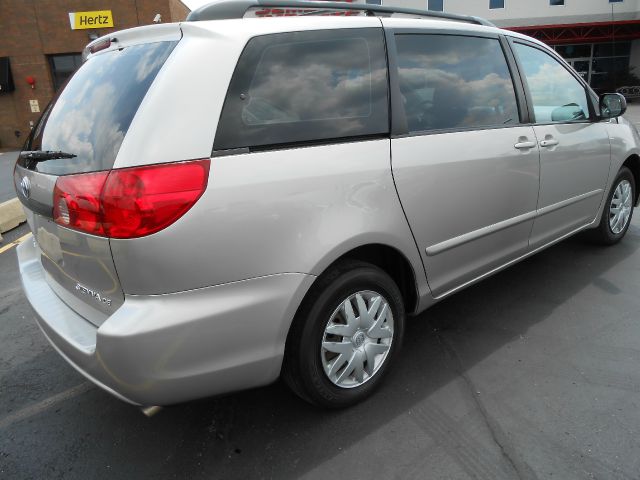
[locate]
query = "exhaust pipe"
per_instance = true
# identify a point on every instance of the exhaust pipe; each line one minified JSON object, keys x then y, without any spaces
{"x":150,"y":411}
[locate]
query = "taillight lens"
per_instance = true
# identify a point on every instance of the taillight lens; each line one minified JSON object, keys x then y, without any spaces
{"x":129,"y":202}
{"x":76,"y":202}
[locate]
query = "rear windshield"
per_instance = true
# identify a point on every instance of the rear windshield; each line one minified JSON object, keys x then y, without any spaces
{"x":91,"y":115}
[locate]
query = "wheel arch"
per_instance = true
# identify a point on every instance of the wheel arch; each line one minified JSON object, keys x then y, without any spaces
{"x":633,"y":164}
{"x":388,"y":258}
{"x":394,"y":263}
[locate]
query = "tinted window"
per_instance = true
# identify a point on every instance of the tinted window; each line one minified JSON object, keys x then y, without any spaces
{"x":574,"y":51}
{"x":556,"y":94}
{"x":436,"y":5}
{"x":306,"y":86}
{"x":450,"y":81}
{"x":496,"y":3}
{"x":92,"y":114}
{"x":612,"y":49}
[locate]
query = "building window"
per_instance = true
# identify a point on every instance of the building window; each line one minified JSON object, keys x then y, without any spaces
{"x":6,"y":79}
{"x":496,"y":4}
{"x":436,"y":5}
{"x":62,"y":67}
{"x":574,"y":51}
{"x":606,"y":66}
{"x":556,"y":3}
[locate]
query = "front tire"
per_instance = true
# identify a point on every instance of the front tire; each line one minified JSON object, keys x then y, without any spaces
{"x":345,"y":336}
{"x":618,"y":210}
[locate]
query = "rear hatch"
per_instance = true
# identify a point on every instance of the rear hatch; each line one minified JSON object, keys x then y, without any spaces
{"x":87,"y":121}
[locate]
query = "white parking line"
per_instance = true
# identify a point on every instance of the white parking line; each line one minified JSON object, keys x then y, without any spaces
{"x":43,"y":405}
{"x":18,"y":241}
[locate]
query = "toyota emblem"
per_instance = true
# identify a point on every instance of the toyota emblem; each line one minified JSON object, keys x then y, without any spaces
{"x":25,"y":187}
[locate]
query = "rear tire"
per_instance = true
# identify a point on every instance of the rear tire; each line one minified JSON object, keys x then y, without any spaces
{"x":618,"y":209}
{"x":345,"y":336}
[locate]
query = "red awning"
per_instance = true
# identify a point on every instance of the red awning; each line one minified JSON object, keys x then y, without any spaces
{"x":582,"y":32}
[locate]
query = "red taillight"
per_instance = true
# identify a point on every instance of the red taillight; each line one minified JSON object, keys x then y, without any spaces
{"x":129,"y":202}
{"x":76,"y":202}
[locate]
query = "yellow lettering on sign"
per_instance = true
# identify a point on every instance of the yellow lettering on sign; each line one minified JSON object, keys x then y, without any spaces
{"x":96,"y":19}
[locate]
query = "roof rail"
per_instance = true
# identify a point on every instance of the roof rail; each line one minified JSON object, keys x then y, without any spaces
{"x":227,"y":9}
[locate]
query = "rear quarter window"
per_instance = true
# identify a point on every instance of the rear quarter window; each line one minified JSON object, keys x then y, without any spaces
{"x":91,"y":115}
{"x":305,"y":87}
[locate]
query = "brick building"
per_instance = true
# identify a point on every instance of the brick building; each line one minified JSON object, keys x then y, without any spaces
{"x":40,"y":46}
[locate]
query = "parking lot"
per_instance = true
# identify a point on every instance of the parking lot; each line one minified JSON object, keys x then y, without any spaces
{"x":532,"y":374}
{"x":7,"y":160}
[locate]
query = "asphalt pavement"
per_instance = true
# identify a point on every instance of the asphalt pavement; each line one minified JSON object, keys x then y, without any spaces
{"x":533,"y":373}
{"x":7,"y":161}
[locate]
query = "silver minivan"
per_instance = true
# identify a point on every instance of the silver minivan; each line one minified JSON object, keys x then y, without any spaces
{"x":270,"y":188}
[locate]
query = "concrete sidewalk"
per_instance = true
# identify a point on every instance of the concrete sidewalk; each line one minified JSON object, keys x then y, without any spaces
{"x":11,"y":213}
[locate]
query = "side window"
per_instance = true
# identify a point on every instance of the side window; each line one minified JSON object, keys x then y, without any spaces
{"x":556,"y":94}
{"x":306,"y":86}
{"x":450,"y":81}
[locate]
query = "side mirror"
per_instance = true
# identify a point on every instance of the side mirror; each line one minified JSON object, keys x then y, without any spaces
{"x":612,"y":105}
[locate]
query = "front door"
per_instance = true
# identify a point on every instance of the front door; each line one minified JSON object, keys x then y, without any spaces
{"x":467,"y":171}
{"x":574,"y":150}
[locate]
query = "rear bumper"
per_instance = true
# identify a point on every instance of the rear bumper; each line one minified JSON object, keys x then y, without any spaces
{"x":166,"y":349}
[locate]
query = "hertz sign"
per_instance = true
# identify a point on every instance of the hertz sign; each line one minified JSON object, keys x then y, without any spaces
{"x":96,"y":19}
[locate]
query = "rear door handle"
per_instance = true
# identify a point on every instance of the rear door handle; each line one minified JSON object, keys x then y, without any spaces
{"x":549,"y":143}
{"x":524,"y":145}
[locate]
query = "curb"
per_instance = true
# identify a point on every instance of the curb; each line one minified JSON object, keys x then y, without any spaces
{"x":11,"y":215}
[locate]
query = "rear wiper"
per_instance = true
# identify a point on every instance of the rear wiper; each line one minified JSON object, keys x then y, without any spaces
{"x":32,"y":157}
{"x":44,"y":155}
